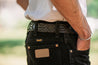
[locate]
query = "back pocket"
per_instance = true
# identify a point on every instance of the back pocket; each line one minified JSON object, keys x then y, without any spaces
{"x":45,"y":53}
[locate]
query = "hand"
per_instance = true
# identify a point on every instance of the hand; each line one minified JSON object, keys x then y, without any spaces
{"x":83,"y":45}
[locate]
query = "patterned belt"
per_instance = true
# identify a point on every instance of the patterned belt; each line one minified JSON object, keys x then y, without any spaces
{"x":43,"y":26}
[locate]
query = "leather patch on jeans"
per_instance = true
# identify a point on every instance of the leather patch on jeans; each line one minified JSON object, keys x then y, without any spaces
{"x":41,"y":53}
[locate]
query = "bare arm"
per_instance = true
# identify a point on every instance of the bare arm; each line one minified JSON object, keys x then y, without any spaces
{"x":71,"y":10}
{"x":23,"y":3}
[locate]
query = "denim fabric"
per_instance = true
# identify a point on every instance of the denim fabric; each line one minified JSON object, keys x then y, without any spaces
{"x":66,"y":54}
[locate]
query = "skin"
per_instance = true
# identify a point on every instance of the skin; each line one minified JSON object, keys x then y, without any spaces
{"x":73,"y":14}
{"x":23,"y":3}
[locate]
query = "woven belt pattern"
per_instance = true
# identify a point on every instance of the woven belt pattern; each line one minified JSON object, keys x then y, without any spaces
{"x":50,"y":27}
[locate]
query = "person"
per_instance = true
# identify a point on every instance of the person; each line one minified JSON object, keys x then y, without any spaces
{"x":71,"y":11}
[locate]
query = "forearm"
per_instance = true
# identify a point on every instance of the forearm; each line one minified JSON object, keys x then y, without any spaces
{"x":23,"y":3}
{"x":71,"y":10}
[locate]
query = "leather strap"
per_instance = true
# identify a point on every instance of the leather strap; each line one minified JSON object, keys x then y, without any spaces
{"x":35,"y":27}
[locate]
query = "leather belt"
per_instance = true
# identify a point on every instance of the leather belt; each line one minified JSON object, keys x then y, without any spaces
{"x":44,"y":26}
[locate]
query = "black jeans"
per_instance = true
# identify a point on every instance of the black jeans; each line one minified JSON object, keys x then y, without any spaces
{"x":69,"y":55}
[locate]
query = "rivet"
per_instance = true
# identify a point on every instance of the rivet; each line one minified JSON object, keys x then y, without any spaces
{"x":28,"y":47}
{"x":70,"y":51}
{"x":57,"y":45}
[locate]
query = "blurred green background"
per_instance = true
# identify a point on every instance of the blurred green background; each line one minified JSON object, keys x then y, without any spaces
{"x":13,"y":32}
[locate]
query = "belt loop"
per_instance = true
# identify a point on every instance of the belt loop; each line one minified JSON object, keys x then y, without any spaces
{"x":35,"y":28}
{"x":57,"y":29}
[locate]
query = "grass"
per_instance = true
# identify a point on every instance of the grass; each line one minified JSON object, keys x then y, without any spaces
{"x":95,"y":36}
{"x":10,"y":46}
{"x":12,"y":42}
{"x":94,"y":42}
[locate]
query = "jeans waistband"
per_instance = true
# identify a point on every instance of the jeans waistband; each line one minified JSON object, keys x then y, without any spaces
{"x":44,"y":26}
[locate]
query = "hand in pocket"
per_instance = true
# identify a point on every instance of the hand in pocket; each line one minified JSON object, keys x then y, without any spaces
{"x":83,"y":45}
{"x":81,"y":55}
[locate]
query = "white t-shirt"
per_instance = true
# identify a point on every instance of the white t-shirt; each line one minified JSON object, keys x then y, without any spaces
{"x":44,"y":10}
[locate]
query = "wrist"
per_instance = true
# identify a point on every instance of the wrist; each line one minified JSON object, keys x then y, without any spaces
{"x":86,"y":38}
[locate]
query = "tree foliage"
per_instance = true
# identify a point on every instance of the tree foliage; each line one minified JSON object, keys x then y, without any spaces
{"x":93,"y":8}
